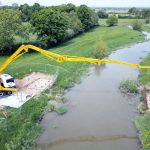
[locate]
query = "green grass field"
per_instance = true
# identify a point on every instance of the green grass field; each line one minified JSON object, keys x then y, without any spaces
{"x":20,"y":129}
{"x":121,"y":22}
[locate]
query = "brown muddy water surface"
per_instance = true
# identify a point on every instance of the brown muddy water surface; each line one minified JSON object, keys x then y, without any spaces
{"x":99,"y":117}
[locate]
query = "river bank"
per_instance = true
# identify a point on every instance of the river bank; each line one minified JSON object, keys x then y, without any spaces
{"x":143,"y":121}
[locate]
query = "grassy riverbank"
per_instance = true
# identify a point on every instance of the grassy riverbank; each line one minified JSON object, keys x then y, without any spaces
{"x":143,"y":121}
{"x":20,"y":128}
{"x":143,"y":124}
{"x":146,"y":28}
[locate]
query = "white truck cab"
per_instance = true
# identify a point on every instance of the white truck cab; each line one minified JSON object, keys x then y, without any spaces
{"x":6,"y":81}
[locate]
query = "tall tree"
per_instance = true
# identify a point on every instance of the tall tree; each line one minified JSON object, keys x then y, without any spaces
{"x":67,"y":8}
{"x":26,"y":12}
{"x":135,"y":11}
{"x":15,"y":5}
{"x":36,"y":7}
{"x":102,"y":14}
{"x":145,"y":13}
{"x":50,"y":25}
{"x":74,"y":24}
{"x":86,"y":15}
{"x":9,"y":24}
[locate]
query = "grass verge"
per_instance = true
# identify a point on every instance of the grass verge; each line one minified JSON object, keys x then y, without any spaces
{"x":143,"y":122}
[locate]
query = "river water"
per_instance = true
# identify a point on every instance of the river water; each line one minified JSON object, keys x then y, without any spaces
{"x":99,"y":117}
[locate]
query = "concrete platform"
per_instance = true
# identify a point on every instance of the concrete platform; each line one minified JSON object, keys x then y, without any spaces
{"x":15,"y":100}
{"x":30,"y":86}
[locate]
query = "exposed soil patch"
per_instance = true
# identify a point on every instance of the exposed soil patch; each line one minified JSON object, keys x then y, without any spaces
{"x":34,"y":83}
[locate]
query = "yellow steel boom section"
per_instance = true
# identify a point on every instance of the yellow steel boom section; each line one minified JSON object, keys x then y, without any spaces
{"x":60,"y":58}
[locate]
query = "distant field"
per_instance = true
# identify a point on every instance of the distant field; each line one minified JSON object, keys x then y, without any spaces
{"x":121,"y":22}
{"x":126,"y":22}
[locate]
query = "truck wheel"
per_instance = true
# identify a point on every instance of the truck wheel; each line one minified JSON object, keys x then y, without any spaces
{"x":1,"y":94}
{"x":9,"y":93}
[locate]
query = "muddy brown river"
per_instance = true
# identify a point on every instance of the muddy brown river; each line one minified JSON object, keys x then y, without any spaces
{"x":99,"y":117}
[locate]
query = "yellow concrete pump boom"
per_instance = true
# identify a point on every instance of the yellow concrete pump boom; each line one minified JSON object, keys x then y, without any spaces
{"x":59,"y":58}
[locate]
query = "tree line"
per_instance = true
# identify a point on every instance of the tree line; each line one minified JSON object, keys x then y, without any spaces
{"x":133,"y":13}
{"x":140,"y":13}
{"x":52,"y":25}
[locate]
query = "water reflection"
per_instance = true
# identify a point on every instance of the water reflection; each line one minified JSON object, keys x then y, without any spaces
{"x":99,"y":68}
